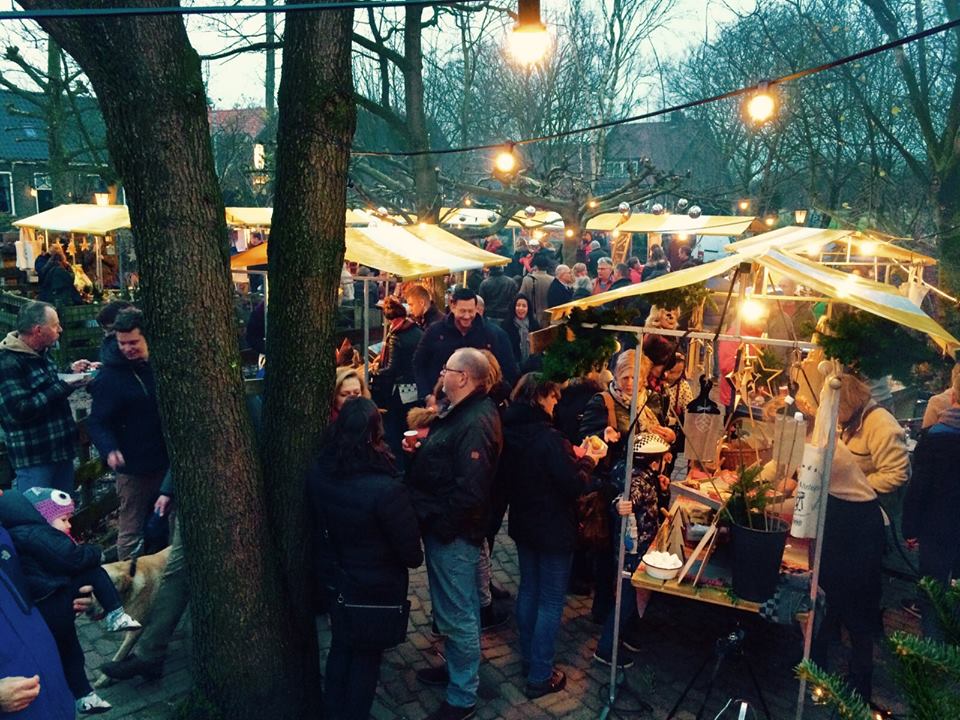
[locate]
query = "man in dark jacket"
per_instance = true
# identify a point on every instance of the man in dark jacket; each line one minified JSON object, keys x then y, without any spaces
{"x":422,"y":310}
{"x":462,"y":328}
{"x":932,"y":504}
{"x":34,"y":410}
{"x":450,"y":479}
{"x":621,"y":276}
{"x":124,"y":424}
{"x":32,"y":685}
{"x":596,"y":252}
{"x":561,"y":289}
{"x":498,"y":292}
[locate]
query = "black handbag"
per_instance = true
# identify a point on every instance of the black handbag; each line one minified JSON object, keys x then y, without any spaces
{"x":370,"y":627}
{"x":364,"y":625}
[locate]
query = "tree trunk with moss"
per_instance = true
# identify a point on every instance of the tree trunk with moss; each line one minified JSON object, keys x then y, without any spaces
{"x":247,"y":644}
{"x":316,"y":124}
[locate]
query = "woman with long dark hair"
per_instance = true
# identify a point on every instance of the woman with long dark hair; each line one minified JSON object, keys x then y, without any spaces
{"x":368,"y":538}
{"x":56,"y":280}
{"x":518,"y":328}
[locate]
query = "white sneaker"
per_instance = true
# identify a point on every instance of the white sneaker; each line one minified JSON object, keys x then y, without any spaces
{"x":117,"y":620}
{"x":92,"y":704}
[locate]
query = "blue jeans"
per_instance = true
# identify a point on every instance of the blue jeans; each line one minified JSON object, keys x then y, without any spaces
{"x":452,"y":572}
{"x":540,"y":602}
{"x":58,"y":475}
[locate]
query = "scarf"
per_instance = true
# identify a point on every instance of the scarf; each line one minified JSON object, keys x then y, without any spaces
{"x":523,"y":331}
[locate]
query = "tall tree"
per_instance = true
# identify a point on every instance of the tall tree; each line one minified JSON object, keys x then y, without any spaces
{"x":316,"y":124}
{"x":251,"y":635}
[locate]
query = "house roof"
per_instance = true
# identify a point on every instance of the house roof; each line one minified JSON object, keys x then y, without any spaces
{"x":24,"y":138}
{"x":247,"y":121}
{"x":674,"y":146}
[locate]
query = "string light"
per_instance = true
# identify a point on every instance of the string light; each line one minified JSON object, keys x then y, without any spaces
{"x":529,"y":42}
{"x":744,"y":205}
{"x":770,"y":220}
{"x":762,"y":105}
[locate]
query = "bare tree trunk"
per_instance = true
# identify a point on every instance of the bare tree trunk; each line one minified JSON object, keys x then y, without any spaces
{"x":316,"y":125}
{"x":270,"y":71}
{"x":424,"y":175}
{"x":57,"y":161}
{"x":148,"y":81}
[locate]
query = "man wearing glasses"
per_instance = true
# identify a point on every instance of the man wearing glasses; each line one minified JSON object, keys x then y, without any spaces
{"x":450,"y":478}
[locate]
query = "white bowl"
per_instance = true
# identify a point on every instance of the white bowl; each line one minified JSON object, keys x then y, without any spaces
{"x":661,"y":573}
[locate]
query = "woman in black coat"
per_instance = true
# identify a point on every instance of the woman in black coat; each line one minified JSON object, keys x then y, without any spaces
{"x":545,"y":478}
{"x":368,"y":539}
{"x":518,"y":328}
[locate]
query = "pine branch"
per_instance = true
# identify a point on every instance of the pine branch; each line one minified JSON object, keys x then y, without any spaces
{"x":945,"y":602}
{"x":849,"y":705}
{"x":936,"y":657}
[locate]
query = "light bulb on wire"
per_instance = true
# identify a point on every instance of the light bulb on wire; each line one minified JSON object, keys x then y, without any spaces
{"x":528,"y":41}
{"x":762,"y":105}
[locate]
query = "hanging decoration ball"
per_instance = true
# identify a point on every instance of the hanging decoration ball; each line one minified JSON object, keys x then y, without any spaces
{"x":624,"y":209}
{"x":382,"y":211}
{"x":657,"y":209}
{"x":695,"y":212}
{"x":530,"y":211}
{"x":682,"y":203}
{"x":492,"y":218}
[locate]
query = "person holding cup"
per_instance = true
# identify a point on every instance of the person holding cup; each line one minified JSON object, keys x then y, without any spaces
{"x":545,"y":476}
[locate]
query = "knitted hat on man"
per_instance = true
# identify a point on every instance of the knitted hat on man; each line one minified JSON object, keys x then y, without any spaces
{"x":52,"y":504}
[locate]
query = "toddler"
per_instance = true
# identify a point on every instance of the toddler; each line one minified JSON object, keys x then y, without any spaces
{"x":56,"y":566}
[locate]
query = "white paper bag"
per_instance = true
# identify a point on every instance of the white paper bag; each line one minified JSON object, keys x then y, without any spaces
{"x":809,"y":493}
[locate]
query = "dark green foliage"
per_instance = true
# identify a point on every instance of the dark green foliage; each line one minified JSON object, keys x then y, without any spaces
{"x":686,"y":298}
{"x":873,"y":346}
{"x":590,"y":347}
{"x":927,"y":671}
{"x":748,"y":500}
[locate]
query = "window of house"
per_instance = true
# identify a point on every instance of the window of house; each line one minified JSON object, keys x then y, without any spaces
{"x":44,"y":196}
{"x":7,"y":204}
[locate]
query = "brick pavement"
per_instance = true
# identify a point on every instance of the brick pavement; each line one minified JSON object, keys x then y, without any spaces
{"x":679,"y":635}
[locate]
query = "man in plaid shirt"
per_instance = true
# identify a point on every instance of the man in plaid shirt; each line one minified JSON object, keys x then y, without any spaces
{"x":35,"y":415}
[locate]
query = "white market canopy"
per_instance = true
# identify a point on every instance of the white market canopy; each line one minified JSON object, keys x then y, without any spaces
{"x":262,"y":217}
{"x":81,"y":219}
{"x":828,"y":244}
{"x":672,"y":224}
{"x":408,"y":252}
{"x":861,"y":293}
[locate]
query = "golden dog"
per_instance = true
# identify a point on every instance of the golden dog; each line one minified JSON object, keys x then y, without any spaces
{"x":137,"y":581}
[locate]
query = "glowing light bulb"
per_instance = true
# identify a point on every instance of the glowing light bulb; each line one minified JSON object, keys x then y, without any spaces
{"x":505,"y":162}
{"x":467,"y":201}
{"x":529,"y":42}
{"x":568,"y":232}
{"x":762,"y":105}
{"x":592,"y":204}
{"x":868,"y":247}
{"x":770,"y":221}
{"x":744,"y":205}
{"x":753,"y":311}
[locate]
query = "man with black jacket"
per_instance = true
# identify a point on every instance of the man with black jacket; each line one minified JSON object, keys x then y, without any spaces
{"x":498,"y":292}
{"x":463,"y":327}
{"x":124,"y":424}
{"x":450,"y":478}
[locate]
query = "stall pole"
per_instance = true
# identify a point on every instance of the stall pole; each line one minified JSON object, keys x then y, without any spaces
{"x":366,"y":333}
{"x":634,"y":411}
{"x":834,"y":410}
{"x":97,"y":251}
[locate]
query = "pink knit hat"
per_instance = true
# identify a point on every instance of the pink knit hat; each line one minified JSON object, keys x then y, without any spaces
{"x":52,"y":504}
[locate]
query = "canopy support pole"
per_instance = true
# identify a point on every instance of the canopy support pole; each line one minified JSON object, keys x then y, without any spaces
{"x":621,"y":553}
{"x":366,"y":332}
{"x":809,"y":625}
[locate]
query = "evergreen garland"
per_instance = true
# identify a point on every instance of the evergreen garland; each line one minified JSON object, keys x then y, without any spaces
{"x":873,"y":346}
{"x":590,"y":347}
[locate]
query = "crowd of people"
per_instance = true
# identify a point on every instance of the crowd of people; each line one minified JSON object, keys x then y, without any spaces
{"x":456,"y":430}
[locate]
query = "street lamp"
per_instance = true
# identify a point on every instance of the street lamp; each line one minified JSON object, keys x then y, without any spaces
{"x":505,"y":164}
{"x":529,"y":40}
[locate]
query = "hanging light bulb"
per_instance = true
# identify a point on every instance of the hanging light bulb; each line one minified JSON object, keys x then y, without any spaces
{"x":867,"y":247}
{"x":506,"y":161}
{"x":467,"y":201}
{"x":762,"y":105}
{"x":744,"y":205}
{"x":753,"y":311}
{"x":528,"y":41}
{"x":591,"y":204}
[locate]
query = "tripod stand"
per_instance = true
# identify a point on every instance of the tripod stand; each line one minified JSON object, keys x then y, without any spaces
{"x":727,"y":645}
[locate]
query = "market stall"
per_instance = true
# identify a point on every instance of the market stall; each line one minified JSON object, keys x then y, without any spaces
{"x":828,"y":284}
{"x":77,"y":222}
{"x":407,"y":253}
